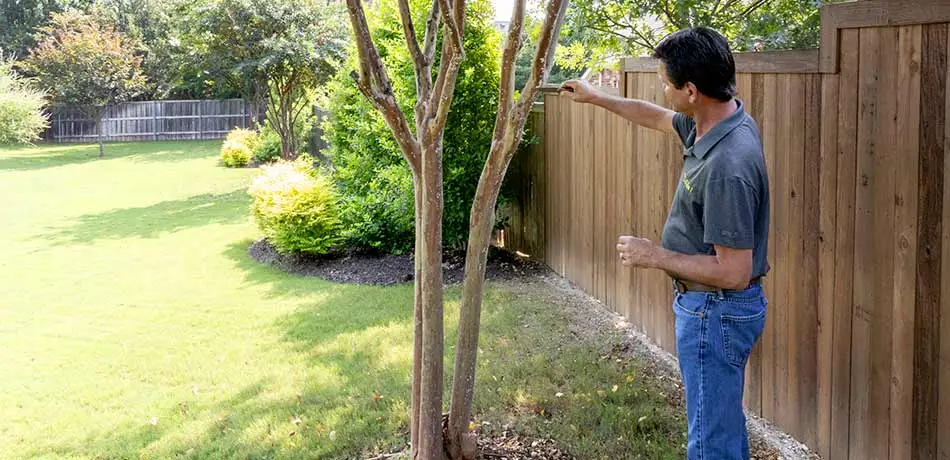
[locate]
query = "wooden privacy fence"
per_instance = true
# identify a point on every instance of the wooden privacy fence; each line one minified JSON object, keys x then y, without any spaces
{"x":855,"y":359}
{"x":153,"y":120}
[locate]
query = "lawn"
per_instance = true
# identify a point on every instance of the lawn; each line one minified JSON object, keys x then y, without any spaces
{"x":133,"y":325}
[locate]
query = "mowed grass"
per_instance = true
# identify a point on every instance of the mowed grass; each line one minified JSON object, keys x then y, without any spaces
{"x":134,"y":325}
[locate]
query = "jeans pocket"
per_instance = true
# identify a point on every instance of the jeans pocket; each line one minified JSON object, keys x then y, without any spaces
{"x":690,"y":304}
{"x":741,"y":331}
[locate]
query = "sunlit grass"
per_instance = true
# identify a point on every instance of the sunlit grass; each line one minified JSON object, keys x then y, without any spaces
{"x":134,"y":325}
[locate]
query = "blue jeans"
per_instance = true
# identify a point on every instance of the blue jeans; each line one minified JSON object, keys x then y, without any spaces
{"x":715,"y":333}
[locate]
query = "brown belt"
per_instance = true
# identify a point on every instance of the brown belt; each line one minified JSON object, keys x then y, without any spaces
{"x":682,"y":286}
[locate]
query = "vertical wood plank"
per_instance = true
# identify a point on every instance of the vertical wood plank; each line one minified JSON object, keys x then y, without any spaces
{"x":905,"y":243}
{"x":651,"y":199}
{"x":567,"y":187}
{"x":942,"y":391}
{"x":769,"y":347}
{"x":753,"y":393}
{"x":609,"y":258}
{"x":840,"y":438}
{"x":587,"y":197}
{"x":827,"y":192}
{"x":874,"y":256}
{"x":562,"y":188}
{"x":599,"y":254}
{"x":575,"y":228}
{"x":933,"y":118}
{"x":807,"y":333}
{"x":864,"y":254}
{"x":884,"y":188}
{"x":629,"y":138}
{"x":550,"y":151}
{"x":791,"y":241}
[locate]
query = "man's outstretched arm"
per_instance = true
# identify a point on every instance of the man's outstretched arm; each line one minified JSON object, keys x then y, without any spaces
{"x":641,"y":112}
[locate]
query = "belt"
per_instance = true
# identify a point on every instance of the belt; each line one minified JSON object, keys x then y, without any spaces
{"x":682,"y":286}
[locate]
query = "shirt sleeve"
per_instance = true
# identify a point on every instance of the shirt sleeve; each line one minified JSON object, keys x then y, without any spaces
{"x":729,"y":207}
{"x":683,"y":125}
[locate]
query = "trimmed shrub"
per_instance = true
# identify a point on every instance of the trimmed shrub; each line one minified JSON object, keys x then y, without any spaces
{"x":295,"y":207}
{"x":238,"y":147}
{"x":268,"y":146}
{"x":22,"y":116}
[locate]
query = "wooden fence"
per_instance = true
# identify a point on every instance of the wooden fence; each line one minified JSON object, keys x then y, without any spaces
{"x":152,"y":120}
{"x":855,"y":359}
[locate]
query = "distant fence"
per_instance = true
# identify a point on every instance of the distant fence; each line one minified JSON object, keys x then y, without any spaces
{"x":153,"y":120}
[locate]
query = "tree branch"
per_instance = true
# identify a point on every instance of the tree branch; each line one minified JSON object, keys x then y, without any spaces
{"x":373,"y":82}
{"x":453,"y":26}
{"x":509,"y":56}
{"x":372,"y":73}
{"x":727,"y":5}
{"x":544,"y":57}
{"x":750,"y":9}
{"x":452,"y":55}
{"x":432,"y":31}
{"x":423,"y":76}
{"x":669,"y":14}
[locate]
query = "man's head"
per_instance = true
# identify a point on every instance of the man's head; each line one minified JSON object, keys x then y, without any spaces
{"x":697,"y":68}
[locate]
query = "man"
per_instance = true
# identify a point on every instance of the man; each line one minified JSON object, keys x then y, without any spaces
{"x":714,"y":243}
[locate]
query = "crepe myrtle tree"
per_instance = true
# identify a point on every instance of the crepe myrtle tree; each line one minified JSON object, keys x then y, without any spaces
{"x":434,"y":435}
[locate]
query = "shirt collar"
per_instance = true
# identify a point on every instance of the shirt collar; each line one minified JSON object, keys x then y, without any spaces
{"x":725,"y":126}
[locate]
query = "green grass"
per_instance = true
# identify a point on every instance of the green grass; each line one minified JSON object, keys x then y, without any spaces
{"x":133,"y":325}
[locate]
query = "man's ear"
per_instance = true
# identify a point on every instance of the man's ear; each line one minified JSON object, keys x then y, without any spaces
{"x":692,"y":92}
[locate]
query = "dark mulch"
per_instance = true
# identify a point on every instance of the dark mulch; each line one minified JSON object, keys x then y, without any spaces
{"x":387,"y":269}
{"x":510,"y":446}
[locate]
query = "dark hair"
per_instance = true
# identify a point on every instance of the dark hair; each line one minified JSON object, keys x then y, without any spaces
{"x":699,"y":55}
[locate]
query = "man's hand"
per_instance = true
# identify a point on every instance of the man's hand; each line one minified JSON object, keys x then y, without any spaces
{"x":578,"y":91}
{"x":637,"y":252}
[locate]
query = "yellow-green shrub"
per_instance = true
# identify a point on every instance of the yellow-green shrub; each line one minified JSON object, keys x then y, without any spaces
{"x":238,"y":147}
{"x":296,"y":207}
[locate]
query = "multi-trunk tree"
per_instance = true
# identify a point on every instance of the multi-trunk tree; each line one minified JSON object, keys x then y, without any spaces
{"x":434,"y":436}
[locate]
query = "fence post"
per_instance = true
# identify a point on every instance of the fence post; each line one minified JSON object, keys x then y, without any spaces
{"x":155,"y":108}
{"x":199,"y":121}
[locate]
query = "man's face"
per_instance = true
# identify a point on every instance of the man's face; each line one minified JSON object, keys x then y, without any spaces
{"x":678,"y":99}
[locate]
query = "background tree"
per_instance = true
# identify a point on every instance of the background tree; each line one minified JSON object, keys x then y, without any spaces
{"x":422,"y":148}
{"x":84,"y":63}
{"x":607,"y":29}
{"x":150,"y":24}
{"x":274,"y":51}
{"x":22,"y":114}
{"x":20,"y":19}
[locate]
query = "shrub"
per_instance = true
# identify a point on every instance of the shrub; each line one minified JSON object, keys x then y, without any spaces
{"x":361,"y":146}
{"x":383,"y":218}
{"x":295,"y":207}
{"x":268,"y":146}
{"x":22,"y":118}
{"x":238,"y":147}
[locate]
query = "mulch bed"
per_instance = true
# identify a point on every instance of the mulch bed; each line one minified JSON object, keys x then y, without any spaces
{"x":387,"y":269}
{"x":510,"y":446}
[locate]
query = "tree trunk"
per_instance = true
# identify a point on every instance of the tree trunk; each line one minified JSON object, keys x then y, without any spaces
{"x":460,"y":441}
{"x":430,"y":420}
{"x":287,"y":139}
{"x":415,"y":415}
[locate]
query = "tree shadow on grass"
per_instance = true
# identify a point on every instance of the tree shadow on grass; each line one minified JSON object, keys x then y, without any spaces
{"x":154,"y":220}
{"x":53,"y":155}
{"x":352,"y":402}
{"x":337,"y":308}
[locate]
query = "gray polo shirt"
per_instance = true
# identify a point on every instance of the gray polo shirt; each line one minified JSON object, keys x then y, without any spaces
{"x":723,"y":193}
